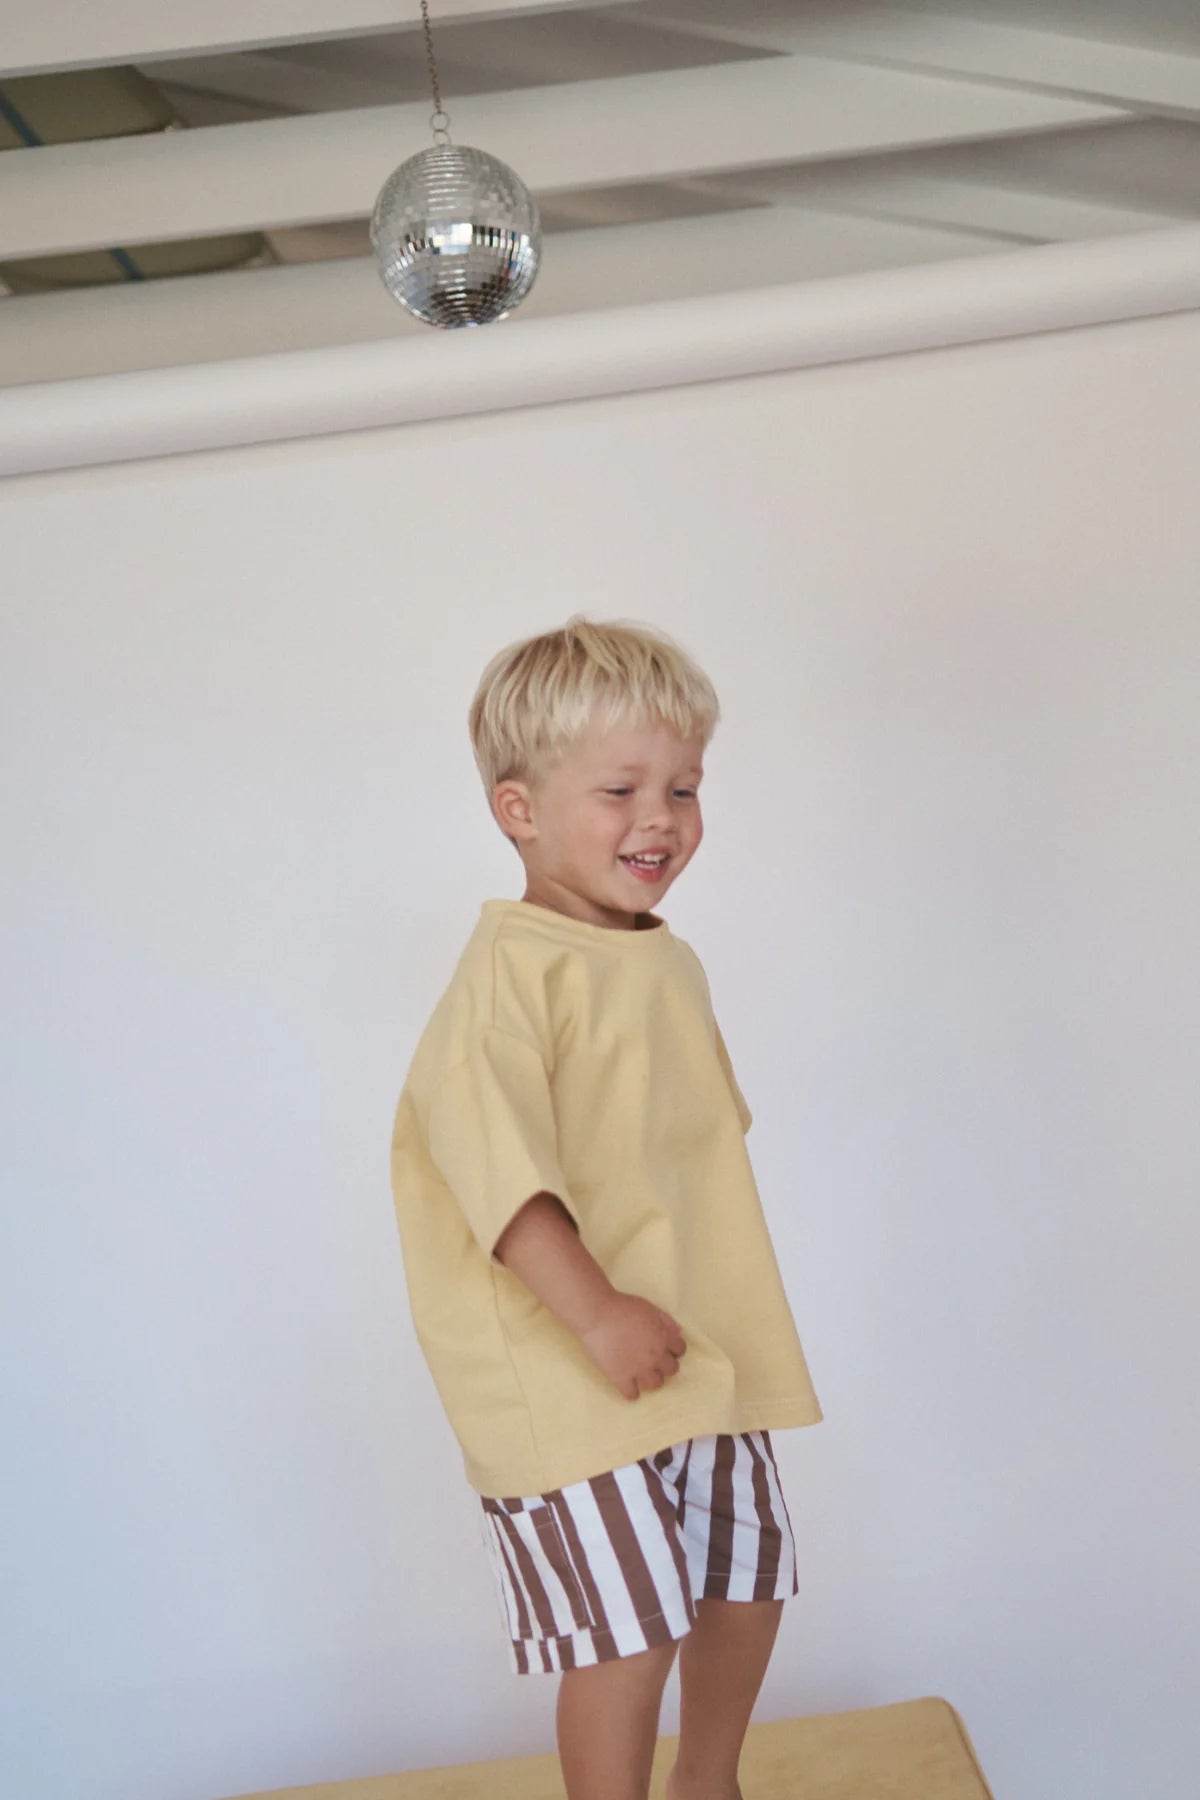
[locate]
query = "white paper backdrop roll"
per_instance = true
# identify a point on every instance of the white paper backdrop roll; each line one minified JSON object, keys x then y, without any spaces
{"x":354,"y":387}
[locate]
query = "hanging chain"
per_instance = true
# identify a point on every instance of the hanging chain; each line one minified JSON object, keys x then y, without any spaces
{"x":439,"y":119}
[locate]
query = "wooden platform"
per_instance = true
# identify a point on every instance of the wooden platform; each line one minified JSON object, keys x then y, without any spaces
{"x":915,"y":1750}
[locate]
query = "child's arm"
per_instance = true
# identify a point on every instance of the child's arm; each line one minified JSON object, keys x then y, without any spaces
{"x":631,"y":1340}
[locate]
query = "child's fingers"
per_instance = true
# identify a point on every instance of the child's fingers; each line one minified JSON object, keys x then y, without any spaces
{"x":677,"y":1344}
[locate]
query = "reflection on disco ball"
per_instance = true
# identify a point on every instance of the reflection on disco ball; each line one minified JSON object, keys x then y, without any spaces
{"x":457,"y":236}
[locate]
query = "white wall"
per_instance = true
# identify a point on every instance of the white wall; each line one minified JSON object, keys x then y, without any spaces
{"x":948,"y":902}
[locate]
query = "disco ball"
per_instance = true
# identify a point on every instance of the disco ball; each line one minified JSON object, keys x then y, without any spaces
{"x":457,"y":236}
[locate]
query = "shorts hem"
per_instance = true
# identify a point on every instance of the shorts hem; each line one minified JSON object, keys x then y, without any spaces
{"x":545,"y":1656}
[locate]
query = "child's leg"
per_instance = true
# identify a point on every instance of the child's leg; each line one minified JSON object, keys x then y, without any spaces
{"x":608,"y":1724}
{"x":722,"y":1662}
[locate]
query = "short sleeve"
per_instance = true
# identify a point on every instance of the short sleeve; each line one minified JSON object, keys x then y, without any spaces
{"x":744,"y":1113}
{"x":492,"y":1134}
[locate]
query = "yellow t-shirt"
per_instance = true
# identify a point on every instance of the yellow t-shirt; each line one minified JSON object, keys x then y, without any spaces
{"x":585,"y":1061}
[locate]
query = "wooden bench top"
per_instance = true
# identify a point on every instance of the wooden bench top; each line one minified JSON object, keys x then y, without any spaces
{"x":913,"y":1750}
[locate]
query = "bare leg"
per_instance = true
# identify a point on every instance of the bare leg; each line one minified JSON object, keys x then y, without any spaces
{"x":608,"y":1725}
{"x":722,"y":1662}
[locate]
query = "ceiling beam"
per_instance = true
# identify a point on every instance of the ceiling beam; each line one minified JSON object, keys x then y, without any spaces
{"x":247,"y":177}
{"x":254,"y":312}
{"x":60,"y":34}
{"x":1011,"y":212}
{"x":1147,"y":81}
{"x":1016,"y":214}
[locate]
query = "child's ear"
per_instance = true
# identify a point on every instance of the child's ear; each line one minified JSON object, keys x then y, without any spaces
{"x":512,"y":807}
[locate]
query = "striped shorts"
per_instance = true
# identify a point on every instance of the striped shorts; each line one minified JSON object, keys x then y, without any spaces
{"x":615,"y":1565}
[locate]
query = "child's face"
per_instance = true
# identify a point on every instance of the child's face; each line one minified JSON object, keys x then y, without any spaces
{"x":617,"y":793}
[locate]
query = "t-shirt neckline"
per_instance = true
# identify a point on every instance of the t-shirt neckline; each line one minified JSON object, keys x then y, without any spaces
{"x":582,"y":930}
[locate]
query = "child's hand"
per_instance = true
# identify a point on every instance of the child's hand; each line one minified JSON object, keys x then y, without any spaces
{"x":635,"y":1343}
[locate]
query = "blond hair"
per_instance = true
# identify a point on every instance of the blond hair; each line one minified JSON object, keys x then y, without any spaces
{"x":537,"y":697}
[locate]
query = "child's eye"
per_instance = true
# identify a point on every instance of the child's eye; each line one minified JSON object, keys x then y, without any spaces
{"x":687,"y":793}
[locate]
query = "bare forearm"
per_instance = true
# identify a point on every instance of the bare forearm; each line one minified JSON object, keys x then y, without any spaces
{"x":543,"y":1249}
{"x":635,"y":1343}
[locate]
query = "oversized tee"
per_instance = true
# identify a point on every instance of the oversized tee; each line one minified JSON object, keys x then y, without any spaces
{"x":584,"y":1061}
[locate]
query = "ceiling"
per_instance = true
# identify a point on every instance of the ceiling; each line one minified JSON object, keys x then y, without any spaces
{"x":214,"y":203}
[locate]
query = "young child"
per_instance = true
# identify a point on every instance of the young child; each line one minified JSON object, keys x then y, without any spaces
{"x":590,"y":1273}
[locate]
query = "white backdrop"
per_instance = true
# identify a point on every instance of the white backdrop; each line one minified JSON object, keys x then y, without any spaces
{"x":948,"y":902}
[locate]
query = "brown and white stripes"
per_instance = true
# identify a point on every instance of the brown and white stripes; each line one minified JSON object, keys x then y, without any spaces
{"x":615,"y":1564}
